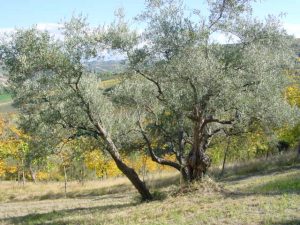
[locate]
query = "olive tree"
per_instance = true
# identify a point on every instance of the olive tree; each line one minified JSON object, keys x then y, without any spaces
{"x":182,"y":89}
{"x":188,"y":88}
{"x":58,"y":98}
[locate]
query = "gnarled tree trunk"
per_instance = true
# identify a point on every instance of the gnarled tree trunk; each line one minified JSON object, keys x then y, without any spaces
{"x":134,"y":178}
{"x":126,"y":170}
{"x":197,"y":161}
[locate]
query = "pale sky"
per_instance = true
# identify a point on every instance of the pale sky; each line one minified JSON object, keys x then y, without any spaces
{"x":48,"y":13}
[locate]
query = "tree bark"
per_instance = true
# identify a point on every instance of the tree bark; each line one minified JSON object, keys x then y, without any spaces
{"x":197,"y":161}
{"x":32,"y":173}
{"x":23,"y":177}
{"x":185,"y":174}
{"x":65,"y":180}
{"x":126,"y":170}
{"x":225,"y":156}
{"x":134,"y":178}
{"x":19,"y":176}
{"x":23,"y":173}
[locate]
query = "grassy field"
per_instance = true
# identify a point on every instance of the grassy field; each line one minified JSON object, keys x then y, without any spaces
{"x":6,"y":104}
{"x":271,"y":197}
{"x":5,"y":98}
{"x":107,"y":84}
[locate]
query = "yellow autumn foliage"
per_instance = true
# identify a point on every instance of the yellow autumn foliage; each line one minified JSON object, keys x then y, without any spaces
{"x":292,"y":94}
{"x":2,"y":126}
{"x":171,"y":158}
{"x":42,"y":176}
{"x":112,"y":169}
{"x":106,"y":167}
{"x":149,"y":164}
{"x":11,"y":169}
{"x":12,"y":145}
{"x":2,"y":168}
{"x":95,"y":160}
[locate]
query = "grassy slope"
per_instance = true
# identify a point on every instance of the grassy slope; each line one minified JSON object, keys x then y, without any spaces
{"x":5,"y":98}
{"x":272,"y":197}
{"x":6,"y":104}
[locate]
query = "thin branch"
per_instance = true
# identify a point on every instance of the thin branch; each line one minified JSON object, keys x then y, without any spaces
{"x":154,"y":157}
{"x":210,"y":119}
{"x":166,"y":134}
{"x":160,"y":95}
{"x":195,"y":91}
{"x":214,"y":132}
{"x":87,"y":108}
{"x":222,"y":9}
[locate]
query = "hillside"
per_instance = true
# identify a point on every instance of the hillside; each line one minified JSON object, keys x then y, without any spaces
{"x":105,"y":69}
{"x":271,"y":197}
{"x":107,"y":66}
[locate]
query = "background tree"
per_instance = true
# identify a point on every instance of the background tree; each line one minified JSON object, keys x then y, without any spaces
{"x":14,"y":150}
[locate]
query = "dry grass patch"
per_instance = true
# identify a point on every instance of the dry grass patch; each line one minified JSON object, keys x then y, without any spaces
{"x":12,"y":191}
{"x":227,"y":202}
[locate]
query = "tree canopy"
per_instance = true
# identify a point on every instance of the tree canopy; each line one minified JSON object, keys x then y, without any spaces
{"x":192,"y":88}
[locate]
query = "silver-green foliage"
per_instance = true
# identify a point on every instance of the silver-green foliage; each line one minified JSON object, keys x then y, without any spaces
{"x":57,"y":96}
{"x":206,"y":86}
{"x":59,"y":99}
{"x":182,"y":83}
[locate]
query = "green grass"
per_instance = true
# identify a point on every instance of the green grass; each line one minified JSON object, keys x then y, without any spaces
{"x":288,"y":184}
{"x":107,"y":84}
{"x":6,"y":104}
{"x":271,"y":197}
{"x":5,"y":98}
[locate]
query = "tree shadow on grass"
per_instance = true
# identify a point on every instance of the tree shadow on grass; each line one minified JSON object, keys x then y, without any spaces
{"x":121,"y":188}
{"x":237,"y":177}
{"x":56,"y":217}
{"x":288,"y":184}
{"x":240,"y":194}
{"x":155,"y":183}
{"x":84,"y":193}
{"x":279,"y":186}
{"x":287,"y":222}
{"x":163,"y":182}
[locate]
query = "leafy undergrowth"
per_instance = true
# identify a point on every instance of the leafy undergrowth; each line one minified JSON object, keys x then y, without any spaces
{"x":269,"y":198}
